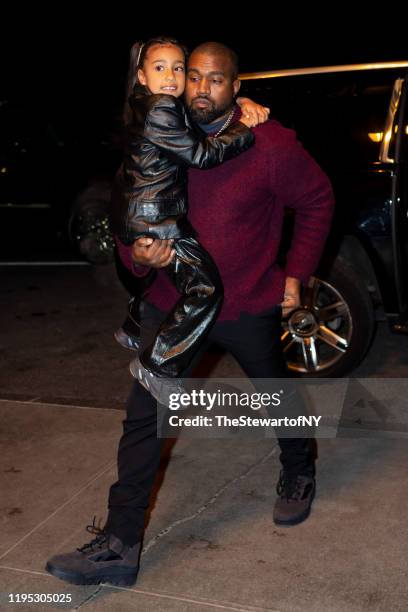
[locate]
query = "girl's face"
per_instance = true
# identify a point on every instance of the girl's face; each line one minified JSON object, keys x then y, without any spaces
{"x":164,"y":70}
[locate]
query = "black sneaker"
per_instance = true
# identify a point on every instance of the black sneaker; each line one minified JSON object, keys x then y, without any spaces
{"x":160,"y":388}
{"x":295,"y":499}
{"x":104,"y":559}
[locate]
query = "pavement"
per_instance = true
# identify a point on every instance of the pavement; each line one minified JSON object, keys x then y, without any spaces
{"x":210,"y":542}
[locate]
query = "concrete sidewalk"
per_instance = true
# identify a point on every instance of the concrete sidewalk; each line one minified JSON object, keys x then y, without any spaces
{"x":210,"y":543}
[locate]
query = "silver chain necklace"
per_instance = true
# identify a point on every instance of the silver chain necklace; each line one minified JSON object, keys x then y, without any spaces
{"x":226,"y":124}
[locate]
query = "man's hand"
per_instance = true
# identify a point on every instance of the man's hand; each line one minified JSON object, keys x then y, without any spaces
{"x":292,"y":296}
{"x":153,"y":253}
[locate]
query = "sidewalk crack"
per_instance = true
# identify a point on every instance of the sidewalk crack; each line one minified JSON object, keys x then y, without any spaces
{"x":90,"y":597}
{"x":210,"y":502}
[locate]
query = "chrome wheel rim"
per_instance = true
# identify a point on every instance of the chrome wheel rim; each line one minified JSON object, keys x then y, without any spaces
{"x":317,"y":335}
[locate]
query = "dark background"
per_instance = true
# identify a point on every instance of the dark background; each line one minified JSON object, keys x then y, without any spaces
{"x":74,"y":64}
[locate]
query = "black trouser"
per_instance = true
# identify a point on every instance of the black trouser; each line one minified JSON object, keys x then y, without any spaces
{"x":254,"y":341}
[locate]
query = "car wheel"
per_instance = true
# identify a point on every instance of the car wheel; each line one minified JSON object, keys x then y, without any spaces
{"x":89,"y":227}
{"x":330,"y":333}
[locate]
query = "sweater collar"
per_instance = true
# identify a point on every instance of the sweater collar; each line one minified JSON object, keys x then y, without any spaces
{"x":213,"y":128}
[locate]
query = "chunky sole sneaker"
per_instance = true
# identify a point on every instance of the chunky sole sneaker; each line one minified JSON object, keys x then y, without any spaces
{"x":126,"y":340}
{"x":295,"y":499}
{"x":104,"y":559}
{"x":120,"y":576}
{"x":159,"y":387}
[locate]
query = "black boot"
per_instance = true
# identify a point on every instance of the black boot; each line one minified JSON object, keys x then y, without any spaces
{"x":296,"y":494}
{"x":104,"y":559}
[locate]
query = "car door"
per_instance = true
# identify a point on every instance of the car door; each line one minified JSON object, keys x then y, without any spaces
{"x":395,"y":149}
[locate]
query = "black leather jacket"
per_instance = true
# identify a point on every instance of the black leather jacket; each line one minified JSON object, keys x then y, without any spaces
{"x":150,"y":189}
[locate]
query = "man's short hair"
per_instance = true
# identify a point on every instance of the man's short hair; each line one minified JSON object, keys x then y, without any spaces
{"x":216,"y":48}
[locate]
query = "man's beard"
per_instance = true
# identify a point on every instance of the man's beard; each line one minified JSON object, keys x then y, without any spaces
{"x":207,"y":115}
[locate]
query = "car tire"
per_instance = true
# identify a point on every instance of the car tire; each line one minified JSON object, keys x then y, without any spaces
{"x":332,"y":331}
{"x":88,"y":226}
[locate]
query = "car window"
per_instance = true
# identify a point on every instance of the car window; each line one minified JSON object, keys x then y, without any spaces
{"x":339,"y":118}
{"x":404,"y":135}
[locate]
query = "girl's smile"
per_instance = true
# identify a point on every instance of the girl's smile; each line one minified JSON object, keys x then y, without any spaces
{"x":163,"y":70}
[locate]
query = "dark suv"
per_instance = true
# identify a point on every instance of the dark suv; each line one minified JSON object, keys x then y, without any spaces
{"x":55,"y":181}
{"x":354,"y":121}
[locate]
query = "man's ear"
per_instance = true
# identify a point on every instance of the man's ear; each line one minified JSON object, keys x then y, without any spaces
{"x":141,"y":77}
{"x":236,"y":85}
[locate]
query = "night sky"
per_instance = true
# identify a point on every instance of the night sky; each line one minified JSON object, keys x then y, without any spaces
{"x":61,"y":58}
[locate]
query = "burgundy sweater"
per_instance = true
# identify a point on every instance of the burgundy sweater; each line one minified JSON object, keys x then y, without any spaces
{"x":237,"y":209}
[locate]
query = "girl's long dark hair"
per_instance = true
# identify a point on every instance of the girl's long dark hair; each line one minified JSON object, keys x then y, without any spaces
{"x":138,"y":53}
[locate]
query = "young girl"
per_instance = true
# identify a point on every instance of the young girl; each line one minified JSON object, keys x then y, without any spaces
{"x":150,"y":199}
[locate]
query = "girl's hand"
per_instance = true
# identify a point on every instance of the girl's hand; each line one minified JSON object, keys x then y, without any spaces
{"x":252,"y":113}
{"x":248,"y":121}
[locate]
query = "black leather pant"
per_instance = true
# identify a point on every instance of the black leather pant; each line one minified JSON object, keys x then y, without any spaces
{"x":254,"y":341}
{"x":195,"y":276}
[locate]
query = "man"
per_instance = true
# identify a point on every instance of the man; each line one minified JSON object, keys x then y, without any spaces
{"x":237,"y":210}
